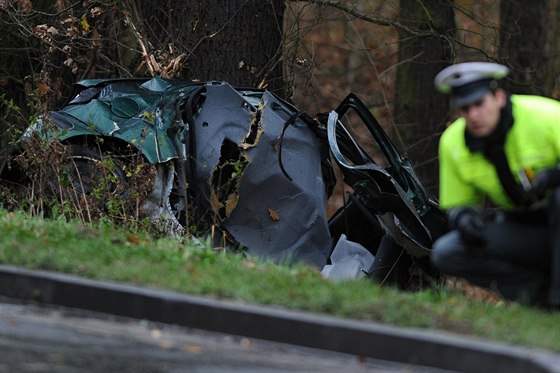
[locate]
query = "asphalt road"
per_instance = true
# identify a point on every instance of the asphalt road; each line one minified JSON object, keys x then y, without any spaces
{"x":39,"y":338}
{"x":108,"y":335}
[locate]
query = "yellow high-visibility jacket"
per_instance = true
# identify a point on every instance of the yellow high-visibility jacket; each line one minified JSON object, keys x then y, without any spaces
{"x":531,"y":144}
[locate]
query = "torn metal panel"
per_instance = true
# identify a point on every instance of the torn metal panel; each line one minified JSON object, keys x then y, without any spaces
{"x":275,"y":217}
{"x":239,"y":172}
{"x":221,"y":124}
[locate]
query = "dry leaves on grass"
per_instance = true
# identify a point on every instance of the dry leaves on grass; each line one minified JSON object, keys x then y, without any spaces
{"x":473,"y":292}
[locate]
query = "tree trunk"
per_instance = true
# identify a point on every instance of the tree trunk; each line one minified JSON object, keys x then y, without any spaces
{"x":527,"y":31}
{"x":239,"y":41}
{"x":420,"y":112}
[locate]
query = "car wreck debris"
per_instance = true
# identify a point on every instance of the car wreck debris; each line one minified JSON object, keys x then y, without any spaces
{"x":248,"y":164}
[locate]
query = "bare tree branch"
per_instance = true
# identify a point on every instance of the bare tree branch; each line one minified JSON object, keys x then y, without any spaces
{"x":381,"y":21}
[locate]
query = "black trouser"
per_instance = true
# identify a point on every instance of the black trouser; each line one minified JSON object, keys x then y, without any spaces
{"x":521,"y":260}
{"x":554,"y":225}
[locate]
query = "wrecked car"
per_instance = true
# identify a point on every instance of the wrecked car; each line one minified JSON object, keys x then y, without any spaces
{"x":247,"y":168}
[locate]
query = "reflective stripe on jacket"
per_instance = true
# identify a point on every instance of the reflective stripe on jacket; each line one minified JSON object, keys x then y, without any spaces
{"x":533,"y":143}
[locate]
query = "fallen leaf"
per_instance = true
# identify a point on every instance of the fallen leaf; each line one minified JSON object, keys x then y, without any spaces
{"x":133,"y":239}
{"x":474,"y":292}
{"x":250,"y":265}
{"x":165,"y":344}
{"x":193,"y":349}
{"x":274,"y":215}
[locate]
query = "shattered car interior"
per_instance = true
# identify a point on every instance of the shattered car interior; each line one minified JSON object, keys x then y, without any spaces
{"x":251,"y":170}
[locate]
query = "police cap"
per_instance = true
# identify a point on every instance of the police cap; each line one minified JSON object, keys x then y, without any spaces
{"x":468,"y":82}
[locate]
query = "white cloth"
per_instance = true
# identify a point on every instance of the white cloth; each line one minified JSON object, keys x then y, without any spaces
{"x":349,"y":260}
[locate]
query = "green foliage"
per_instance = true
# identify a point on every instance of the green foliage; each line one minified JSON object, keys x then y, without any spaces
{"x":11,"y":109}
{"x":99,"y":251}
{"x":11,"y":114}
{"x":84,"y":182}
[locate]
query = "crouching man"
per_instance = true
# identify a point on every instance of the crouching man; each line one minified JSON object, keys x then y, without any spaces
{"x":500,"y":185}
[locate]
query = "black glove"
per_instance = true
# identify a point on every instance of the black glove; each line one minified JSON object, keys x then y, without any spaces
{"x":468,"y":221}
{"x":546,"y":179}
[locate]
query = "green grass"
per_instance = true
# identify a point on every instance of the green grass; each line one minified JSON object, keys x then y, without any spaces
{"x":101,"y":252}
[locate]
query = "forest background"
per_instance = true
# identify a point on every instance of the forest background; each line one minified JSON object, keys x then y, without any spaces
{"x":312,"y":53}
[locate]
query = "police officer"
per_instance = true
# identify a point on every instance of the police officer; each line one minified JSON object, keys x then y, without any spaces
{"x":500,"y":185}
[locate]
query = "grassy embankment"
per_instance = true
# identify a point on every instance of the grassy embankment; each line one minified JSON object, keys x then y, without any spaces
{"x":101,"y":252}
